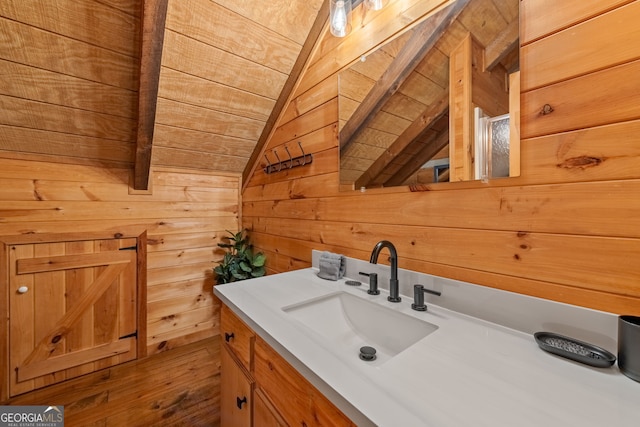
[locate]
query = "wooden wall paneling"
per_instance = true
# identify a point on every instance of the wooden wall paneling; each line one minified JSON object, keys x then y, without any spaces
{"x":602,"y":153}
{"x":300,"y":188}
{"x":582,"y":49}
{"x":322,"y":161}
{"x":164,"y":242}
{"x":315,"y":119}
{"x":77,"y":211}
{"x":542,"y":209}
{"x":165,"y":327}
{"x":180,"y":256}
{"x":185,"y":218}
{"x":201,"y":181}
{"x":176,"y":274}
{"x":522,"y":254}
{"x":319,"y":94}
{"x":536,"y":22}
{"x":600,"y":98}
{"x":87,"y":229}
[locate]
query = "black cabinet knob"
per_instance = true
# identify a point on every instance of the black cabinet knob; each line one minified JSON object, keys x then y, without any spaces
{"x":239,"y":401}
{"x":228,"y":336}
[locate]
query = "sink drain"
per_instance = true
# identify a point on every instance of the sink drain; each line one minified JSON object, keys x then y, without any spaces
{"x":367,"y":353}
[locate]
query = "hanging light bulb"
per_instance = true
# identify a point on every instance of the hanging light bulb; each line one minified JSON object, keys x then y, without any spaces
{"x":340,"y":17}
{"x":375,"y":4}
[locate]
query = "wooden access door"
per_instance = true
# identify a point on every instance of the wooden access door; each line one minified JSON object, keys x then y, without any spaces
{"x":72,"y":309}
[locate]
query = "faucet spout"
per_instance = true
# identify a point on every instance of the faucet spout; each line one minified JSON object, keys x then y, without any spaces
{"x":394,"y":289}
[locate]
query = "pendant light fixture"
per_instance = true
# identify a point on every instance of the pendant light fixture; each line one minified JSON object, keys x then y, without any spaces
{"x":340,"y":17}
{"x":375,"y":4}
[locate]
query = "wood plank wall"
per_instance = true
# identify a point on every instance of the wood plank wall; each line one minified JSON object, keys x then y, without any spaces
{"x":185,"y":218}
{"x":568,"y":229}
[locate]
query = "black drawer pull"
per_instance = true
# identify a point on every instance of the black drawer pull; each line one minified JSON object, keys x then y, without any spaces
{"x":239,"y":401}
{"x":228,"y":336}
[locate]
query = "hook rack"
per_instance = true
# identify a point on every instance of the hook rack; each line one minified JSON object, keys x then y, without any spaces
{"x":289,"y":163}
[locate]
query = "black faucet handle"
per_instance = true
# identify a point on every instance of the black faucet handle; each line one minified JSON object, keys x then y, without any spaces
{"x":418,"y":297}
{"x":373,"y":283}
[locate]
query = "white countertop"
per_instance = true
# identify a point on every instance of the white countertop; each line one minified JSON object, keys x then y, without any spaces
{"x":469,"y":372}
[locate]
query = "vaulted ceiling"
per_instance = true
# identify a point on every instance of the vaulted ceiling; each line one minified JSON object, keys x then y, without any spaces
{"x":70,"y":73}
{"x":141,"y":83}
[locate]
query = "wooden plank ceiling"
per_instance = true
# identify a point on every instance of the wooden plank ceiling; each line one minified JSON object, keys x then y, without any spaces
{"x":70,"y":78}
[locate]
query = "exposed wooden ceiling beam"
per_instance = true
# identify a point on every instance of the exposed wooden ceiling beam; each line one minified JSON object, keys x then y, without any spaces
{"x":424,"y":37}
{"x":430,"y":115}
{"x":287,"y":90}
{"x":502,"y":45}
{"x":431,"y":149}
{"x":154,"y":14}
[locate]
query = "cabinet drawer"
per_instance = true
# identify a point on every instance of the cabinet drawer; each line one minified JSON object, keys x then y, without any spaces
{"x":237,"y":336}
{"x":295,"y":398}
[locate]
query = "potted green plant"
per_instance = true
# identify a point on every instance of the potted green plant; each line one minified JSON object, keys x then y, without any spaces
{"x":239,"y":262}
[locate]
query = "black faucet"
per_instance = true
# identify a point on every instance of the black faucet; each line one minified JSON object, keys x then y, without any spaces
{"x":393,"y":282}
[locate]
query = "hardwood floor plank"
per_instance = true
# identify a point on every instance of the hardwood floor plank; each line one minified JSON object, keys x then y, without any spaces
{"x":180,"y":386}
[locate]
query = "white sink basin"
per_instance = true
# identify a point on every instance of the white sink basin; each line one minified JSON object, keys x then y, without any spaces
{"x":346,"y":323}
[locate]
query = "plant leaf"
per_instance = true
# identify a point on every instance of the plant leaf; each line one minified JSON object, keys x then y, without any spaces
{"x":259,"y":260}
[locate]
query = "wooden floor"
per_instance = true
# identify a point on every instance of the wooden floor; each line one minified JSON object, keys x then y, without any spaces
{"x":177,"y":387}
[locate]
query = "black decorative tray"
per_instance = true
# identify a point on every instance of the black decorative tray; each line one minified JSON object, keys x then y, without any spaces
{"x":574,"y":349}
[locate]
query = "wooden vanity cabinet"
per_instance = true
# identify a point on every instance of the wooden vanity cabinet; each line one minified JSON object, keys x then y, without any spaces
{"x":276,"y":393}
{"x":236,"y":392}
{"x":297,"y":400}
{"x":236,"y":381}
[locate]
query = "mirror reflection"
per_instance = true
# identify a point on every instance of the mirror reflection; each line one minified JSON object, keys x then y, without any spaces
{"x":437,"y":103}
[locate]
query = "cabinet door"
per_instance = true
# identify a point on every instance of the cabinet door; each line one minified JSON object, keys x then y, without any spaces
{"x":264,"y":413}
{"x":72,"y":309}
{"x":235,"y":393}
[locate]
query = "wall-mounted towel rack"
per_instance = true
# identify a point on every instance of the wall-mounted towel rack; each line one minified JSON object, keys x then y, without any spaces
{"x":289,"y":163}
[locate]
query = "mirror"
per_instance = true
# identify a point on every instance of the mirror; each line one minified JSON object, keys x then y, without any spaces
{"x":430,"y":105}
